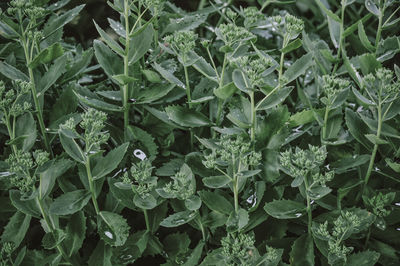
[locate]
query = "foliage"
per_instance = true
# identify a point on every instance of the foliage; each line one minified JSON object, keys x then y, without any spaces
{"x":199,"y":132}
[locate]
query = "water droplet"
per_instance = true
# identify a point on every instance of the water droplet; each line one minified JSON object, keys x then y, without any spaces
{"x":298,"y":215}
{"x":398,"y":229}
{"x":397,"y":204}
{"x":132,"y":100}
{"x":139,"y":154}
{"x":109,"y":234}
{"x":377,"y":169}
{"x":312,"y":202}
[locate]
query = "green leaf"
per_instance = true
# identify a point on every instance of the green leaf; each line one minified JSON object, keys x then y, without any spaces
{"x":169,"y":76}
{"x":132,"y":249}
{"x":241,"y":81}
{"x":393,"y":165}
{"x":11,"y":72}
{"x":28,"y":207}
{"x":364,"y":258}
{"x":154,"y":93}
{"x":368,"y":63}
{"x":193,"y":203}
{"x":26,"y":126}
{"x":101,"y":255}
{"x":52,"y":239}
{"x":371,"y":7}
{"x":225,"y":91}
{"x":357,"y":128}
{"x":70,"y":202}
{"x":285,"y":209}
{"x":151,"y":76}
{"x":328,"y":12}
{"x":109,"y":40}
{"x":140,"y":44}
{"x":7,"y":31}
{"x":108,"y":163}
{"x":48,"y":177}
{"x":364,"y":38}
{"x":216,"y":181}
{"x":292,"y":46}
{"x":237,"y":117}
{"x":52,"y":74}
{"x":47,"y":55}
{"x":16,"y":228}
{"x":186,"y":117}
{"x":109,"y":61}
{"x":187,"y":22}
{"x":62,"y":20}
{"x":178,"y":219}
{"x":80,"y":65}
{"x":275,"y":98}
{"x":375,"y":140}
{"x":195,"y":255}
{"x":113,"y":228}
{"x":302,"y":251}
{"x":237,"y":221}
{"x":216,"y":202}
{"x":362,"y":98}
{"x":88,"y":99}
{"x":299,"y":67}
{"x":72,"y":148}
{"x":146,"y":203}
{"x":205,"y":68}
{"x":334,"y":32}
{"x":75,"y":232}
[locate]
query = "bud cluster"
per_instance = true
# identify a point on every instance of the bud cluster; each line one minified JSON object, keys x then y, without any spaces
{"x":254,"y":68}
{"x":288,"y":25}
{"x":383,"y":80}
{"x":252,"y":16}
{"x":231,"y":34}
{"x":182,"y":187}
{"x":231,"y":149}
{"x":93,"y":124}
{"x":332,"y":86}
{"x":380,"y":203}
{"x":181,"y":42}
{"x":20,"y":165}
{"x":10,"y":101}
{"x":141,"y":178}
{"x":237,"y":249}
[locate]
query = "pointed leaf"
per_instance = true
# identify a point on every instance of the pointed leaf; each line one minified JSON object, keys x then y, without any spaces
{"x":108,"y":163}
{"x":70,"y":202}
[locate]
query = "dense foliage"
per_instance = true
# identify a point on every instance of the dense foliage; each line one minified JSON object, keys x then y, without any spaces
{"x":215,"y":133}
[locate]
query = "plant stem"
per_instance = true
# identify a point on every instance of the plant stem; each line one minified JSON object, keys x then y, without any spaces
{"x":236,"y":194}
{"x":253,"y":117}
{"x":375,"y":149}
{"x":341,"y":38}
{"x":39,"y":113}
{"x":11,"y":132}
{"x":281,"y":62}
{"x":126,"y":70}
{"x":221,"y":84}
{"x":325,"y":123}
{"x":91,"y":186}
{"x":49,"y":224}
{"x":309,"y":211}
{"x":146,"y":219}
{"x":189,"y":97}
{"x":379,"y":31}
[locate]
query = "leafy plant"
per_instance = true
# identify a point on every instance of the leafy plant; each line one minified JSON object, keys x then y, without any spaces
{"x":199,"y":132}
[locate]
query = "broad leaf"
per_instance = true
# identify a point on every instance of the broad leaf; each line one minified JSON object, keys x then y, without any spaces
{"x":70,"y":202}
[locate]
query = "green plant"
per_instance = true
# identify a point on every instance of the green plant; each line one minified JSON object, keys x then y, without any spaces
{"x":259,"y":132}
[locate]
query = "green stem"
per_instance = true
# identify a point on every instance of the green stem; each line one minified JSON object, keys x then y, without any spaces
{"x":126,"y":69}
{"x":146,"y":219}
{"x":375,"y":149}
{"x":10,"y":130}
{"x":253,"y":117}
{"x":341,"y":39}
{"x":39,"y":113}
{"x":91,"y":186}
{"x":367,"y":238}
{"x":309,"y":211}
{"x":203,"y":232}
{"x":51,"y":228}
{"x":221,"y":84}
{"x":236,"y":195}
{"x":189,"y":98}
{"x":379,"y":31}
{"x":325,"y":123}
{"x":281,"y":62}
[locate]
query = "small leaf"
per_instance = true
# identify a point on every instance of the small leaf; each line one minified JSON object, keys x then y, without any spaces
{"x":75,"y":232}
{"x":47,"y":55}
{"x":107,"y":164}
{"x":70,"y":202}
{"x":195,"y":255}
{"x":302,"y":251}
{"x":48,"y":177}
{"x":226,"y":91}
{"x":364,"y":258}
{"x":168,"y":75}
{"x":26,"y":126}
{"x":16,"y":228}
{"x":109,"y":61}
{"x":275,"y":99}
{"x":186,"y":117}
{"x":216,"y":202}
{"x":375,"y":140}
{"x":113,"y":228}
{"x":52,"y":239}
{"x":146,"y":203}
{"x":328,"y":12}
{"x":240,"y":80}
{"x":178,"y":219}
{"x":28,"y":207}
{"x":285,"y":209}
{"x":193,"y":203}
{"x":216,"y":181}
{"x":362,"y":98}
{"x":292,"y":46}
{"x":364,"y":38}
{"x":140,"y":43}
{"x":72,"y":148}
{"x":299,"y":67}
{"x":109,"y":40}
{"x":11,"y":72}
{"x":370,"y":5}
{"x":62,"y":20}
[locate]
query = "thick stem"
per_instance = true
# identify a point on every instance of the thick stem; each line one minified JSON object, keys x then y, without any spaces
{"x":125,"y":88}
{"x":51,"y":228}
{"x":253,"y":117}
{"x":189,"y":97}
{"x":324,"y":136}
{"x":375,"y":149}
{"x":146,"y":219}
{"x":281,"y":62}
{"x":11,"y":132}
{"x":236,"y":194}
{"x":91,"y":186}
{"x":221,"y":84}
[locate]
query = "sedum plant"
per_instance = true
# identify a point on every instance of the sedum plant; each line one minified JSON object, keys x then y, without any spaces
{"x":153,"y":132}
